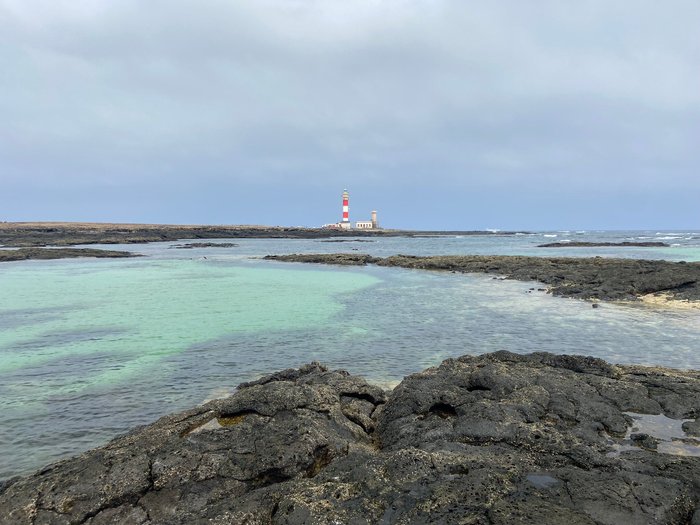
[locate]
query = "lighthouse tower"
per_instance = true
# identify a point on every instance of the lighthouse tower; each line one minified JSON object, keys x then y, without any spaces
{"x":345,"y":224}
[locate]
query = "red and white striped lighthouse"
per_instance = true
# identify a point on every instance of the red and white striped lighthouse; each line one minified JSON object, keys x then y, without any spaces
{"x":346,"y":209}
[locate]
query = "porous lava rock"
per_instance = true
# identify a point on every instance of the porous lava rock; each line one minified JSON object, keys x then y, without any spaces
{"x":494,"y":439}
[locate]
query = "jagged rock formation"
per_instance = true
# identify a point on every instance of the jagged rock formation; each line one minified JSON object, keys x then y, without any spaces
{"x":583,"y":278}
{"x":494,"y":439}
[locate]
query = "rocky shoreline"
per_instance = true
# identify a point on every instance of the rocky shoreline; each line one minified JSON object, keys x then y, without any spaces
{"x":494,"y":439}
{"x":592,"y":278}
{"x":23,"y":254}
{"x":67,"y":234}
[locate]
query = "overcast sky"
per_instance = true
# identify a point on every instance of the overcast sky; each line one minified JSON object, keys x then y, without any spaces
{"x":439,"y":114}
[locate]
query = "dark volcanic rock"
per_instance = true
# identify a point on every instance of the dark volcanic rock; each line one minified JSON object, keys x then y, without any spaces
{"x":347,"y":240}
{"x":692,"y":428}
{"x":644,"y":440}
{"x":191,"y":245}
{"x":581,"y":244}
{"x":342,"y":259}
{"x":23,"y":254}
{"x":226,"y":459}
{"x":65,"y":234}
{"x":495,"y":439}
{"x":583,"y":278}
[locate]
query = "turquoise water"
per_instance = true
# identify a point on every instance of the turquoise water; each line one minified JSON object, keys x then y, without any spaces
{"x":141,"y":312}
{"x":91,"y":348}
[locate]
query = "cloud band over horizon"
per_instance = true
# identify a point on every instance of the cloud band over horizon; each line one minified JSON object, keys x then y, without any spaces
{"x":440,"y":114}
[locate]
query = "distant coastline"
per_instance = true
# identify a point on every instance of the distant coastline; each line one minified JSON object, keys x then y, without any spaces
{"x":26,"y":234}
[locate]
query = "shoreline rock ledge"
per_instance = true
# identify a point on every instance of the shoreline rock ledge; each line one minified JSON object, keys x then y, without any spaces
{"x":592,"y":278}
{"x":494,"y":439}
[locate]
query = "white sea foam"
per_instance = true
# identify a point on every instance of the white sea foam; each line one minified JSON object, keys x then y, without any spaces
{"x":549,"y":235}
{"x":218,"y":393}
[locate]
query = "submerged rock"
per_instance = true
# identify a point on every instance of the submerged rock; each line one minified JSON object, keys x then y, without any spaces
{"x":347,"y":240}
{"x":495,"y":439}
{"x":192,"y":245}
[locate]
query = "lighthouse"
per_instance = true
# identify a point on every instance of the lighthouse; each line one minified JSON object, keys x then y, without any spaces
{"x":345,"y":223}
{"x":346,"y":210}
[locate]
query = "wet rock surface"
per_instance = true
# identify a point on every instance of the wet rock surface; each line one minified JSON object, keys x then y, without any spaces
{"x":23,"y":254}
{"x":494,"y":439}
{"x":583,"y":278}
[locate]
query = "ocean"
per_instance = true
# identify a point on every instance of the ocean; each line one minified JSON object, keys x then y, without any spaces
{"x":92,"y":348}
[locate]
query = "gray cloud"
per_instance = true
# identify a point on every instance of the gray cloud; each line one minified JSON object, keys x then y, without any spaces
{"x":466,"y":93}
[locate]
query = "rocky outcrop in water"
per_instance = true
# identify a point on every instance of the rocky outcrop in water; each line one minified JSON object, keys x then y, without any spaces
{"x":494,"y":439}
{"x":581,"y":244}
{"x":347,"y":240}
{"x":582,"y":278}
{"x":23,"y":254}
{"x":191,"y":245}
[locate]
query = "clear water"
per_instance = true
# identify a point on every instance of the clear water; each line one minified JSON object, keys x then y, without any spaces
{"x":91,"y":348}
{"x":669,"y":433}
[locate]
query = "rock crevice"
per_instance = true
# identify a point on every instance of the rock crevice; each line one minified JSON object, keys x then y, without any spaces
{"x":499,"y":438}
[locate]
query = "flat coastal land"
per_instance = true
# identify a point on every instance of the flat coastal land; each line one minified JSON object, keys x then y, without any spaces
{"x":16,"y":234}
{"x":592,"y":278}
{"x":494,"y":439}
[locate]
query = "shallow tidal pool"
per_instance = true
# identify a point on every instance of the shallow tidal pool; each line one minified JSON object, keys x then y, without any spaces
{"x":92,"y":348}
